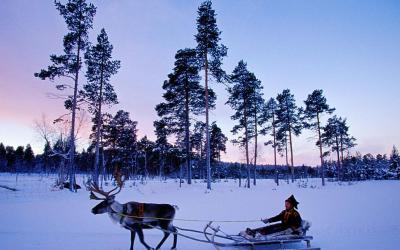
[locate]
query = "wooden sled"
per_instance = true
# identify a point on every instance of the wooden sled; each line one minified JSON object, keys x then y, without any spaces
{"x":281,"y":240}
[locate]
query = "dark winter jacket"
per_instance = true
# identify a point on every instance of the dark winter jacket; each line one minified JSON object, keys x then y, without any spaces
{"x":289,"y":218}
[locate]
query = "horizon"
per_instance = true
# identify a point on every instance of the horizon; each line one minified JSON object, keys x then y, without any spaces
{"x":348,"y":49}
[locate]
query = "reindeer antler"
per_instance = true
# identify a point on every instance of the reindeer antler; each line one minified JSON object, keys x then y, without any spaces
{"x":94,"y":188}
{"x":94,"y":197}
{"x":119,"y":180}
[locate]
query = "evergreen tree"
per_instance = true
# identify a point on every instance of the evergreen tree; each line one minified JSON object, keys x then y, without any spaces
{"x":78,"y":16}
{"x":145,"y":147}
{"x":28,"y":155}
{"x":3,"y":158}
{"x":336,"y":137}
{"x":217,"y":142}
{"x":46,"y":155}
{"x":394,"y":163}
{"x":120,"y":138}
{"x":346,"y":141}
{"x":316,"y":106}
{"x":242,"y":100}
{"x":183,"y":96}
{"x":10,"y":157}
{"x":267,"y":120}
{"x":99,"y":91}
{"x":162,"y":144}
{"x":19,"y":158}
{"x":288,"y":121}
{"x":210,"y":54}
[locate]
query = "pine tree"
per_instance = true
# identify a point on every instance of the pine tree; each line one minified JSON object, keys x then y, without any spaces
{"x":10,"y":157}
{"x":162,"y":144}
{"x":120,"y":138}
{"x":242,"y":100}
{"x":98,"y":91}
{"x":78,"y":16}
{"x":394,"y":163}
{"x":217,"y":145}
{"x":19,"y":158}
{"x":336,"y":137}
{"x":316,"y":106}
{"x":267,"y":121}
{"x":210,"y":54}
{"x":3,"y":158}
{"x":46,"y":155}
{"x":217,"y":142}
{"x":346,"y":141}
{"x":184,"y":96}
{"x":288,"y":121}
{"x":29,"y":156}
{"x":145,"y":147}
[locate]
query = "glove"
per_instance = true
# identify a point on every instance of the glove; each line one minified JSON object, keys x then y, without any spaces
{"x":265,"y":220}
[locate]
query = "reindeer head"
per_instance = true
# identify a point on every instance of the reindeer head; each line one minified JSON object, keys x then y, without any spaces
{"x":108,"y":200}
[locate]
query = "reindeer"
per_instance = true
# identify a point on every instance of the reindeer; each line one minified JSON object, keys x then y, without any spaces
{"x":135,"y":216}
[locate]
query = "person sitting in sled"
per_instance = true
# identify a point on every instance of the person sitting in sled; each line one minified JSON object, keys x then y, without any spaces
{"x":289,"y":218}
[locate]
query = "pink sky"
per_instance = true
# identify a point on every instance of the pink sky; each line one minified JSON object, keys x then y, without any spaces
{"x":348,"y":50}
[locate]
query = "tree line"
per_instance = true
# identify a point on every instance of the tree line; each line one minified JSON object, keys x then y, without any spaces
{"x":185,"y":142}
{"x":353,"y":168}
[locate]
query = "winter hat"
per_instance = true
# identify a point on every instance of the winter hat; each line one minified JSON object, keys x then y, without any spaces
{"x":292,"y":201}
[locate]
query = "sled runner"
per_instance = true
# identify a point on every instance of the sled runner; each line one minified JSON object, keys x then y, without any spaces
{"x":279,"y":240}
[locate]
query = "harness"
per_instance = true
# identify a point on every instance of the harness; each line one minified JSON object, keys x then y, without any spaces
{"x":139,"y":212}
{"x":124,"y":210}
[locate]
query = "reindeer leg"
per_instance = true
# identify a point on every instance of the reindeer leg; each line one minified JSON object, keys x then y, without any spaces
{"x":133,"y":233}
{"x":175,"y":231}
{"x":163,"y":239}
{"x":141,"y":238}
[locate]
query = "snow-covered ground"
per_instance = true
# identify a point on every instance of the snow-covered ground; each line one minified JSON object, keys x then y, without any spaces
{"x":363,"y":215}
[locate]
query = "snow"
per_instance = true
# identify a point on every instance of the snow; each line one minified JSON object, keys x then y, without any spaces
{"x":359,"y":215}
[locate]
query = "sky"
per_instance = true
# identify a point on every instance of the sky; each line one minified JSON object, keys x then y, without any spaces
{"x":350,"y":49}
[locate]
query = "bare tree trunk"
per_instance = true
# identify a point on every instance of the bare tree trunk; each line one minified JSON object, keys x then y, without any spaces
{"x":145,"y":165}
{"x":136,"y":164}
{"x":240,"y":175}
{"x":161,"y":162}
{"x":72,"y":134}
{"x":338,"y":159}
{"x":287,"y":159}
{"x":187,"y":139}
{"x":291,"y":153}
{"x":341,"y":148}
{"x":255,"y":149}
{"x":208,"y":160}
{"x":201,"y":161}
{"x":208,"y":156}
{"x":103,"y":165}
{"x":246,"y":136}
{"x":98,"y":129}
{"x":274,"y":134}
{"x":180,"y":175}
{"x":320,"y":152}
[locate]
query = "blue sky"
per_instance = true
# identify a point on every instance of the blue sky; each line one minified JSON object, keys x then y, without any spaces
{"x":350,"y":49}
